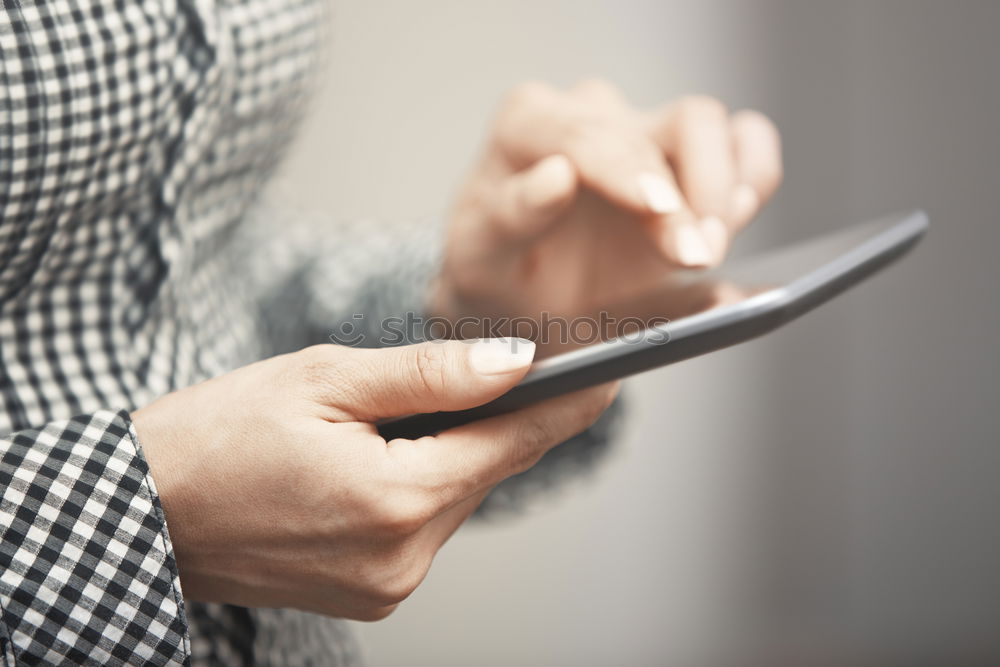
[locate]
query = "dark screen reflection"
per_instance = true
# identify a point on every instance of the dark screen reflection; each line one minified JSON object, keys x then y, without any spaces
{"x":681,"y":294}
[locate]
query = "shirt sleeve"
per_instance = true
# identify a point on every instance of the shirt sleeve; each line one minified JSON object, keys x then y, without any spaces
{"x":87,"y":573}
{"x":351,"y":283}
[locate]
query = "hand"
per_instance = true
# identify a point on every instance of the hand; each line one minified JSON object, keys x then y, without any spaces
{"x":579,"y":198}
{"x":278,"y":492}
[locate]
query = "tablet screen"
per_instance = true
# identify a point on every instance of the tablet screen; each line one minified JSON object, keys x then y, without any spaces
{"x":684,"y":293}
{"x":689,"y":313}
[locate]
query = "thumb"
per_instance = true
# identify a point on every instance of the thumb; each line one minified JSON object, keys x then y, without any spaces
{"x":439,"y":375}
{"x":531,"y":199}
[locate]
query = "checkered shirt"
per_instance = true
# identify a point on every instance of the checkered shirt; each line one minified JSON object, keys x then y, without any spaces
{"x":137,"y":258}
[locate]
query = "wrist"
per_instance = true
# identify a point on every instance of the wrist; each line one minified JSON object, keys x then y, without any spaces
{"x":156,"y":442}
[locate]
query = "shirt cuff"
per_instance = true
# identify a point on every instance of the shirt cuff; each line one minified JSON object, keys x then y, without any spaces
{"x":87,"y":571}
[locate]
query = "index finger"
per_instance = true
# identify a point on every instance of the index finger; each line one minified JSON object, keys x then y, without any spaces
{"x":468,"y":459}
{"x":695,"y":135}
{"x":612,"y":154}
{"x":758,"y":158}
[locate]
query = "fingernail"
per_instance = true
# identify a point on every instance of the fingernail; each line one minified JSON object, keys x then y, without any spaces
{"x":496,"y":356}
{"x":716,"y":234}
{"x":692,"y":250}
{"x":660,"y":195}
{"x":746,"y":201}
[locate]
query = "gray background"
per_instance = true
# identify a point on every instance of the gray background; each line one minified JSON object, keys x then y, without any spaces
{"x":832,"y":490}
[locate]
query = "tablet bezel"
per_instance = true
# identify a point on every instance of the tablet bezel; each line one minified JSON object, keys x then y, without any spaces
{"x":688,"y":337}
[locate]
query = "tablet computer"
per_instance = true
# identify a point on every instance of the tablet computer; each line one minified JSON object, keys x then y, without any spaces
{"x":691,"y":313}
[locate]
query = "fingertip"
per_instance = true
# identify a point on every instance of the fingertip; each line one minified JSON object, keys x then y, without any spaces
{"x":692,"y":247}
{"x":716,"y":235}
{"x":706,"y":162}
{"x":758,"y":149}
{"x":745,"y":204}
{"x":755,"y":121}
{"x":659,"y":194}
{"x":683,"y":243}
{"x":709,"y":186}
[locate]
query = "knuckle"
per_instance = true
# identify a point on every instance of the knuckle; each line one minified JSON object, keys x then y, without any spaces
{"x":700,"y":107}
{"x":533,"y":438}
{"x":600,"y":97}
{"x":597,"y":86}
{"x":433,"y":491}
{"x":403,"y":585}
{"x":319,"y":370}
{"x":527,"y":94}
{"x":765,"y":134}
{"x":430,"y":365}
{"x":538,"y":435}
{"x":399,"y":523}
{"x":400,"y":515}
{"x":393,"y":580}
{"x":314,"y":355}
{"x":756,"y":120}
{"x":592,"y":132}
{"x":389,"y":593}
{"x":316,"y":362}
{"x":323,"y":352}
{"x":584,"y":133}
{"x":533,"y":431}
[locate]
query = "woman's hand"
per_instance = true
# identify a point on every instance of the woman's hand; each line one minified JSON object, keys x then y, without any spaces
{"x":580,"y":197}
{"x":279,"y":492}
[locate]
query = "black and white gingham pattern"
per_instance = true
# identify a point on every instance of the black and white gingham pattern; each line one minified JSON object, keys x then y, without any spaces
{"x":135,"y":258}
{"x":86,"y":567}
{"x":134,"y":137}
{"x":134,"y":140}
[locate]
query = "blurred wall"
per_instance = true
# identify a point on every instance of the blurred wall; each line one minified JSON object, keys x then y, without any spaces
{"x":831,"y":489}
